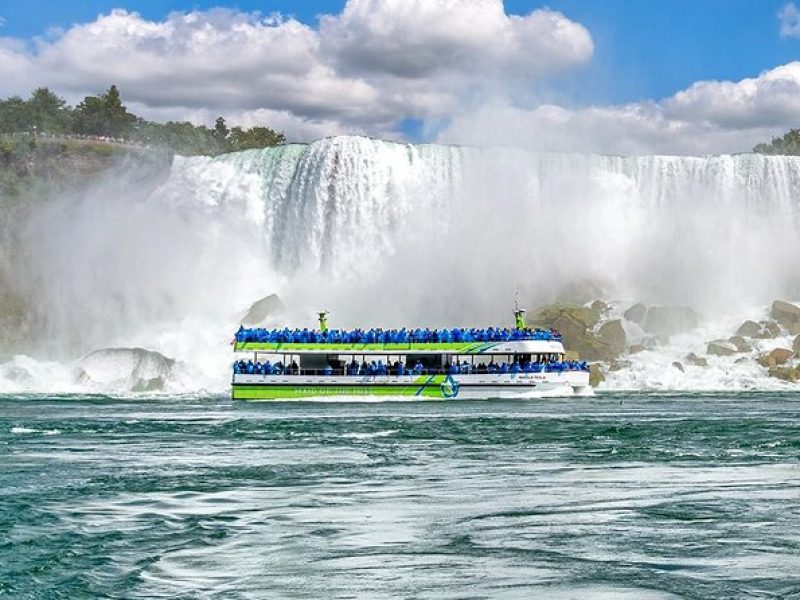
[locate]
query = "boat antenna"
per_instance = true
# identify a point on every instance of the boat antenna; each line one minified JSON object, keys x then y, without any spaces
{"x":519,"y":313}
{"x":323,"y":320}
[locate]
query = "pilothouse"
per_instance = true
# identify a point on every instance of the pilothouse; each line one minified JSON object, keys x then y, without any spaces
{"x":493,"y":362}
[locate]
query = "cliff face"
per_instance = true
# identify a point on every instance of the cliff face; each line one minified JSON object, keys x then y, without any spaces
{"x":42,"y":165}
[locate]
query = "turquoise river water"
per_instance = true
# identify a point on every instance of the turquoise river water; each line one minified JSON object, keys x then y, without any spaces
{"x":616,"y":496}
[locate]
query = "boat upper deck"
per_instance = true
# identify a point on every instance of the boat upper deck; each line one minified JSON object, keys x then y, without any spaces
{"x":393,"y":341}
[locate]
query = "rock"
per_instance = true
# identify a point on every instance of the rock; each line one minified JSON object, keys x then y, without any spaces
{"x":678,"y":366}
{"x":134,"y":369}
{"x":771,"y":330}
{"x":669,"y":320}
{"x":697,"y":361}
{"x":574,"y":323}
{"x":600,"y":307}
{"x":796,"y":346}
{"x":785,"y":373}
{"x":618,"y":365}
{"x":742,"y":345}
{"x":721,"y":348}
{"x":775,"y":358}
{"x":636,"y":313}
{"x":572,"y":355}
{"x":596,"y":376}
{"x":260,"y":310}
{"x":636,"y":348}
{"x":612,"y":334}
{"x":786,"y":314}
{"x":749,"y":329}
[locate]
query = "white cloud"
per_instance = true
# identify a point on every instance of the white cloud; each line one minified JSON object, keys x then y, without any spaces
{"x":708,"y":117}
{"x":313,"y":80}
{"x":789,"y":17}
{"x":415,"y":39}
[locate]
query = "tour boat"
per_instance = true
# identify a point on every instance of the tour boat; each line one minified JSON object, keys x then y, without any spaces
{"x":469,"y":363}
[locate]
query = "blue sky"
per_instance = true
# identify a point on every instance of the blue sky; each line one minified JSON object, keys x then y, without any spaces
{"x":643,"y":50}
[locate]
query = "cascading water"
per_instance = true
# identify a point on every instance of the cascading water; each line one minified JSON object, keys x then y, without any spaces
{"x":390,"y":234}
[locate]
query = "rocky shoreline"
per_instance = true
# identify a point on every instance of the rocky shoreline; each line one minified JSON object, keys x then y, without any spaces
{"x":607,"y":336}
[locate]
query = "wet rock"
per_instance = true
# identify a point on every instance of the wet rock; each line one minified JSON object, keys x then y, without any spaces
{"x":678,"y":366}
{"x":749,"y":329}
{"x":574,"y":323}
{"x":785,"y":373}
{"x":697,"y":361}
{"x":600,"y":307}
{"x":612,"y":334}
{"x":134,"y":369}
{"x":618,"y":365}
{"x":636,"y":313}
{"x":636,"y":348}
{"x":261,"y":310}
{"x":771,"y":330}
{"x":742,"y":345}
{"x":777,"y":357}
{"x":786,"y":314}
{"x":796,"y":346}
{"x":721,"y":348}
{"x":669,"y":320}
{"x":596,"y":376}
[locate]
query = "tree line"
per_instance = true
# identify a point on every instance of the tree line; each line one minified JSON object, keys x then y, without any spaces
{"x":105,"y":115}
{"x":787,"y":144}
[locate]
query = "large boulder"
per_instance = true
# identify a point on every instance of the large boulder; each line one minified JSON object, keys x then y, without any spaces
{"x":697,"y":361}
{"x":612,"y":334}
{"x":785,"y":373}
{"x":596,"y":376}
{"x":721,"y":348}
{"x":777,"y":357}
{"x":575,"y":324}
{"x":261,"y":310}
{"x":636,"y":313}
{"x":771,"y":330}
{"x":742,"y":345}
{"x":787,"y":314}
{"x":749,"y":329}
{"x":125,"y":369}
{"x":666,"y":321}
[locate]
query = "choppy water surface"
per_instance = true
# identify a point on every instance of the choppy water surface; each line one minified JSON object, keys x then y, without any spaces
{"x":619,"y":496}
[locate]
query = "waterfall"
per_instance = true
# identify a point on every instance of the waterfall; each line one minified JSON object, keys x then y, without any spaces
{"x":393,"y":234}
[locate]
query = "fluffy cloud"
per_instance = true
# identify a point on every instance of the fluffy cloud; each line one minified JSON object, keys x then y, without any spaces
{"x":708,"y":117}
{"x":789,"y":17}
{"x":416,"y":39}
{"x":376,"y":63}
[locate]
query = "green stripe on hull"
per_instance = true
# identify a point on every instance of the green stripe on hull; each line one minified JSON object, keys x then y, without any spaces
{"x":280,"y":392}
{"x":458,"y":348}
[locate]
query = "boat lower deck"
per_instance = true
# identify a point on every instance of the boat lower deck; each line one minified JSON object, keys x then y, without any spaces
{"x":444,"y":387}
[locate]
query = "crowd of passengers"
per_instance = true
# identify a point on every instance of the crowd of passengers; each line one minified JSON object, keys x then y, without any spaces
{"x":393,"y":336}
{"x":399,"y":368}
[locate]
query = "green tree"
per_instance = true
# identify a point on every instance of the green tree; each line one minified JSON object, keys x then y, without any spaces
{"x":14,"y":115}
{"x":221,"y":133}
{"x":104,"y":115}
{"x":255,"y":137}
{"x":788,"y":144}
{"x":48,"y":112}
